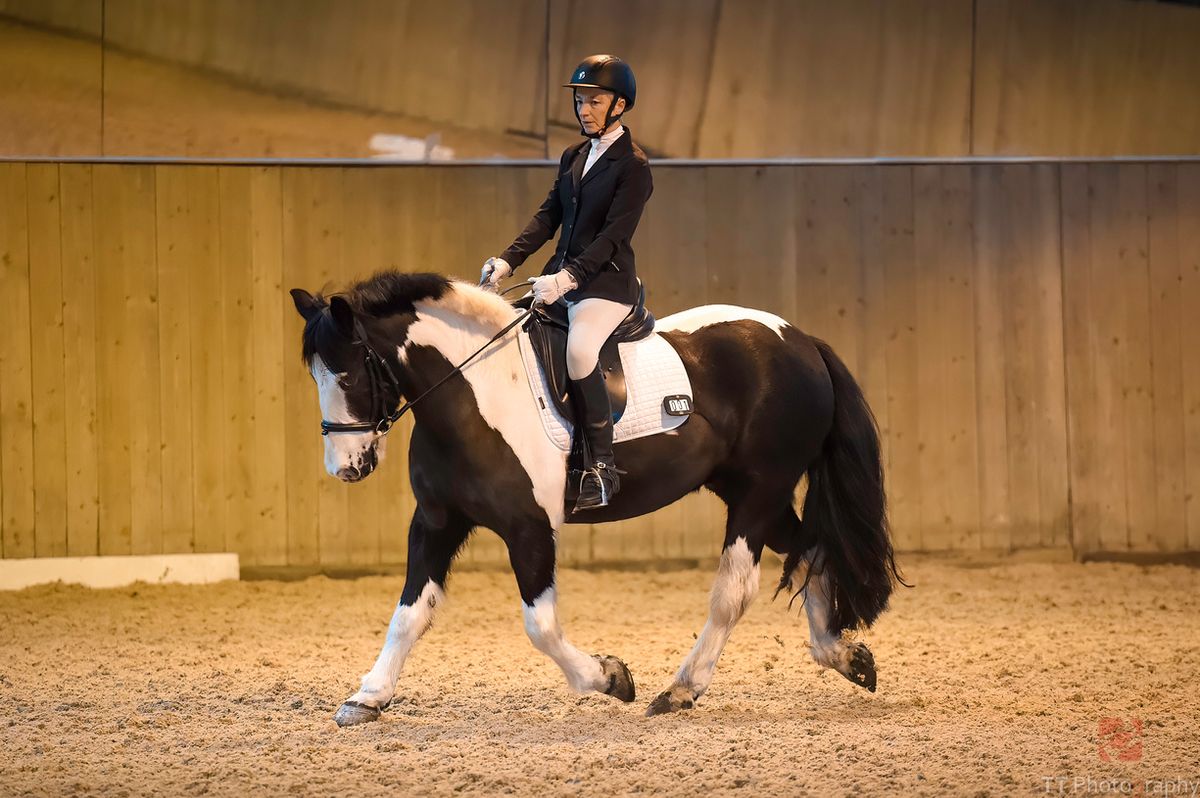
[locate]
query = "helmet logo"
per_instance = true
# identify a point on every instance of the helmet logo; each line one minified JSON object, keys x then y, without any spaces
{"x":581,"y":74}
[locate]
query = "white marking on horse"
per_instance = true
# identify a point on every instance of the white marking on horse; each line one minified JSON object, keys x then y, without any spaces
{"x":342,"y":449}
{"x":408,"y":623}
{"x":733,"y":592}
{"x":827,"y":649}
{"x":456,"y":325}
{"x":584,"y":673}
{"x":693,"y":319}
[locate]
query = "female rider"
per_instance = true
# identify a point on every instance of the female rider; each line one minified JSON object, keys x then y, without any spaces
{"x":598,"y":195}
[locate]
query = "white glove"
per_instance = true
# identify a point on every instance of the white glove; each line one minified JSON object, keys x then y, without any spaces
{"x":549,"y":288}
{"x":494,"y":270}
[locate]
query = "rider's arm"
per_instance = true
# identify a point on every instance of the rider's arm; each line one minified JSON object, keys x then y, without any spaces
{"x":633,"y":189}
{"x":540,"y":228}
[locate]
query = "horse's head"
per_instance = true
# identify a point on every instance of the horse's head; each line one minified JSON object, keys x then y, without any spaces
{"x":350,"y":389}
{"x":354,"y":347}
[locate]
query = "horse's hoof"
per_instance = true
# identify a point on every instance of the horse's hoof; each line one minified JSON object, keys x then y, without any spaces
{"x":862,"y":667}
{"x":672,"y":700}
{"x":353,"y":713}
{"x":620,"y":680}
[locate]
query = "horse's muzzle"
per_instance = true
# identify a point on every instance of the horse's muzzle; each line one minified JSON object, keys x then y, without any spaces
{"x":352,"y":474}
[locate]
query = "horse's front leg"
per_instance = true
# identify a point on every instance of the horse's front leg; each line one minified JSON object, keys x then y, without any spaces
{"x":532,"y":554}
{"x":432,"y":544}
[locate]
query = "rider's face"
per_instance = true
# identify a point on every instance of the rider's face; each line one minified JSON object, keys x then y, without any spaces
{"x":592,"y":105}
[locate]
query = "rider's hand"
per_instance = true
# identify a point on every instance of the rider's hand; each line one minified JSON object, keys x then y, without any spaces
{"x":549,"y":288}
{"x":494,"y":270}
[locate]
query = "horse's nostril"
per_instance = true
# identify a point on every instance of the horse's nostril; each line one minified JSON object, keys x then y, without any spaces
{"x":349,"y":473}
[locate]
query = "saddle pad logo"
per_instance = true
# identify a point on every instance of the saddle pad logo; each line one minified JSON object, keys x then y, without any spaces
{"x":677,"y":405}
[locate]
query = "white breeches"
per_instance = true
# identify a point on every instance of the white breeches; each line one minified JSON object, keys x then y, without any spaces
{"x":592,"y":320}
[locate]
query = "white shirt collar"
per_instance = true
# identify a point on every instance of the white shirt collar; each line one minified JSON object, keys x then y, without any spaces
{"x":608,"y":138}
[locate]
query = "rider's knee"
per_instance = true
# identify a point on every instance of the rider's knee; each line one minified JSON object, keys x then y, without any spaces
{"x":581,"y":360}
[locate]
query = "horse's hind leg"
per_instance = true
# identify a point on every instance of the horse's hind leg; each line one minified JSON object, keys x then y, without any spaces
{"x":734,"y":589}
{"x":433,"y":540}
{"x":532,"y":553}
{"x":851,"y":659}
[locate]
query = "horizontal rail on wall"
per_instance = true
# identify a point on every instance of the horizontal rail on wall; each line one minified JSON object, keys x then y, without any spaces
{"x":524,"y":162}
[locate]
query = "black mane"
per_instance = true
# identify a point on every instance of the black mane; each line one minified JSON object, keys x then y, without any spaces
{"x":385,"y":294}
{"x":390,"y":292}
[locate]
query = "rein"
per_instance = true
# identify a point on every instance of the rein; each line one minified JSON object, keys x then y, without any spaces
{"x":379,"y":370}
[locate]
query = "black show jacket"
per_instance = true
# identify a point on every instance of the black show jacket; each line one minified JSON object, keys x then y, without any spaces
{"x":598,"y":212}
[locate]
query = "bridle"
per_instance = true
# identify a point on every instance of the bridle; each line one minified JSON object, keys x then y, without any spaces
{"x":381,"y":377}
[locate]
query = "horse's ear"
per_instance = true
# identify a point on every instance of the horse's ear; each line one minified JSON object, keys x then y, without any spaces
{"x":306,"y":304}
{"x":343,"y":316}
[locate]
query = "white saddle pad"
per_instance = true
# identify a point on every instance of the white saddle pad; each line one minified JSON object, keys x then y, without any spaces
{"x":653,"y":371}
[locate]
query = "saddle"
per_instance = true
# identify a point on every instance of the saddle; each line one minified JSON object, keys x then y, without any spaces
{"x":547,"y":327}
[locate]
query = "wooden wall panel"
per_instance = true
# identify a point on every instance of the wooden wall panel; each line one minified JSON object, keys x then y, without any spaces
{"x":1087,"y":78}
{"x":77,"y":16}
{"x":17,"y":506}
{"x":717,"y":78}
{"x":179,"y":239}
{"x":272,"y":305}
{"x":1188,"y":242}
{"x":808,"y":78}
{"x":114,"y":199}
{"x":476,"y":64}
{"x":302,"y":200}
{"x":1128,"y":269}
{"x":1022,"y":433}
{"x":51,"y":95}
{"x":669,"y":49}
{"x":46,"y":336}
{"x":79,"y":360}
{"x":1021,"y":331}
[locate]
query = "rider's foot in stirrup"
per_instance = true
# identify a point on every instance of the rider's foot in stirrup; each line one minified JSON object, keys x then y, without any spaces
{"x":598,"y":486}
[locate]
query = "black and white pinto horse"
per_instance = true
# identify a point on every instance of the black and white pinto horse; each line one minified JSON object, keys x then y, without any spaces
{"x":771,"y":405}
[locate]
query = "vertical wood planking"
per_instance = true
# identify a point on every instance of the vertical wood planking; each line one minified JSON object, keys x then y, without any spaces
{"x":1079,"y":346}
{"x":985,"y":344}
{"x":206,"y":319}
{"x":993,"y":232}
{"x":237,"y":359}
{"x":1189,"y":268}
{"x":17,"y":505}
{"x":1166,"y":323}
{"x":1103,"y":328}
{"x":303,"y":416}
{"x":903,"y":400}
{"x":271,"y":304}
{"x":79,"y":358}
{"x":945,"y":366}
{"x":46,"y":335}
{"x":114,"y":396}
{"x":142,"y":363}
{"x":1048,"y":392}
{"x":176,"y":244}
{"x":1021,"y":406}
{"x":1135,"y":379}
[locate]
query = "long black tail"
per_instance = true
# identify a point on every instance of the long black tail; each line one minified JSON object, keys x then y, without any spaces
{"x":845,"y":510}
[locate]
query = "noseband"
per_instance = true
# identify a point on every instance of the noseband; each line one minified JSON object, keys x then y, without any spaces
{"x":379,"y":372}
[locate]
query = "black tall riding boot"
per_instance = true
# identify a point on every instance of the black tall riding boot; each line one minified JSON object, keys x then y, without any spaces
{"x":594,"y":415}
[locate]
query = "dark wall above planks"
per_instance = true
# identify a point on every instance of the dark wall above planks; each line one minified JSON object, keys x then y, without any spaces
{"x":717,"y":78}
{"x":1024,"y":332}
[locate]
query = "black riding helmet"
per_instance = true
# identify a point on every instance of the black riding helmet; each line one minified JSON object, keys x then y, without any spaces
{"x":603,"y":72}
